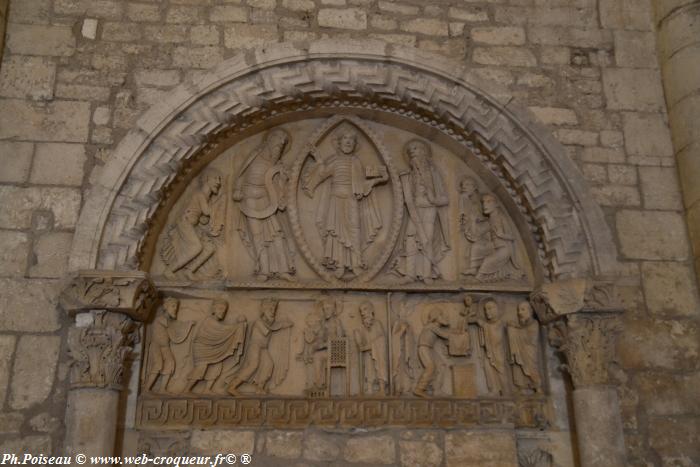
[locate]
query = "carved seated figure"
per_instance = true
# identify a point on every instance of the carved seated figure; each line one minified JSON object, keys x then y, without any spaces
{"x":493,"y":255}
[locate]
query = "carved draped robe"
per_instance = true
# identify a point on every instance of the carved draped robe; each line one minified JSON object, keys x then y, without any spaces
{"x":373,"y":350}
{"x":523,"y":345}
{"x":213,"y":343}
{"x":347,"y":217}
{"x":491,"y":340}
{"x":166,"y":331}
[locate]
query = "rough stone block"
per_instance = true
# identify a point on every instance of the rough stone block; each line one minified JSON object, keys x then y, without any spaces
{"x":108,"y":9}
{"x":555,"y":115}
{"x":652,"y":235}
{"x":218,"y":441}
{"x":34,"y":370}
{"x":14,"y":251}
{"x":299,"y":5}
{"x":205,"y":35}
{"x":508,"y":56}
{"x":472,"y":14}
{"x":163,"y":78}
{"x":29,"y":305}
{"x":498,"y":35}
{"x":613,"y":195}
{"x":30,"y":12}
{"x":660,"y":188}
{"x":570,"y":37}
{"x":634,"y":49}
{"x":27,"y":445}
{"x":477,"y":448}
{"x":142,"y":12}
{"x":183,"y":14}
{"x":342,"y":18}
{"x":371,"y":450}
{"x":57,"y":121}
{"x":121,"y":32}
{"x":228,"y":14}
{"x":622,"y":174}
{"x":10,"y":422}
{"x":284,"y":444}
{"x":675,"y":440}
{"x":633,"y":89}
{"x":415,"y":453}
{"x":661,"y":395}
{"x":660,"y":344}
{"x":594,"y":173}
{"x":247,"y":35}
{"x":400,"y":8}
{"x":670,"y":289}
{"x":28,"y":39}
{"x":27,"y":77}
{"x":625,"y":14}
{"x":50,"y":259}
{"x":7,"y":351}
{"x":321,"y":447}
{"x":18,"y":204}
{"x":58,"y":164}
{"x":646,"y":135}
{"x":577,"y":137}
{"x":15,"y":160}
{"x":198,"y":57}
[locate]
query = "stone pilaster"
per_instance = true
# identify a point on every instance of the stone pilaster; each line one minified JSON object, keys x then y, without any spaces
{"x":110,"y":306}
{"x":583,"y":322}
{"x":678,"y":30}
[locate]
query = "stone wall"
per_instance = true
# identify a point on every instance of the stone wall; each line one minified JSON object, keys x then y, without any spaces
{"x":76,"y":74}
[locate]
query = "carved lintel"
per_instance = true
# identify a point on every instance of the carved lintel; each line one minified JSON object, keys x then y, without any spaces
{"x":98,"y":351}
{"x":130,"y":293}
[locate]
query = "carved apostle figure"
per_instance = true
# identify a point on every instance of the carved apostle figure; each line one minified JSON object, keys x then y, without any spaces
{"x":436,"y":327}
{"x":260,"y":192}
{"x":492,"y":344}
{"x":322,"y":324}
{"x":469,"y":215}
{"x":404,"y":357}
{"x":347,"y":217}
{"x":425,"y":239}
{"x":371,"y":342}
{"x":166,"y":330}
{"x":215,"y":342}
{"x":523,"y":345}
{"x":190,"y":242}
{"x":493,"y":254}
{"x":265,"y":357}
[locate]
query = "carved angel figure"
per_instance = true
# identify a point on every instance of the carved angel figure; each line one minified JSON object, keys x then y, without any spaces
{"x":265,"y":356}
{"x":190,"y":242}
{"x":426,"y":237}
{"x":347,"y":217}
{"x":213,"y":345}
{"x":436,"y":327}
{"x":260,"y":192}
{"x":166,"y":330}
{"x":493,"y":255}
{"x":523,"y":344}
{"x":371,"y":342}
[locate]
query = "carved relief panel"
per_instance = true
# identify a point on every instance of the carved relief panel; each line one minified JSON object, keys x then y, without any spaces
{"x":341,"y":271}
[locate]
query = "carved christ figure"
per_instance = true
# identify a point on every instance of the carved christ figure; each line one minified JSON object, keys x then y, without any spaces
{"x":190,"y":242}
{"x":213,"y":343}
{"x":426,"y":236}
{"x":523,"y":345}
{"x":371,"y":342}
{"x":347,"y":217}
{"x":166,"y":330}
{"x":260,"y":191}
{"x":435,"y":328}
{"x":264,"y":358}
{"x":493,"y":254}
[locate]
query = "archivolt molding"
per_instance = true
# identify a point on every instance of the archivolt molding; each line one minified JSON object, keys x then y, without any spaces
{"x":244,"y":92}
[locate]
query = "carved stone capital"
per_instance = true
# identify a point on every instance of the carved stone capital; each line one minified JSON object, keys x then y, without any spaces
{"x":130,"y":293}
{"x":556,"y":300}
{"x":98,"y":351}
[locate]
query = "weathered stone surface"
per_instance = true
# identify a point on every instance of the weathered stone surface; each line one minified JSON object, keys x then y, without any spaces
{"x":473,"y":14}
{"x":570,"y":37}
{"x":17,"y":205}
{"x":622,"y":174}
{"x":400,"y":8}
{"x":625,"y":14}
{"x":40,"y":40}
{"x":660,"y":188}
{"x":670,"y":289}
{"x":14,"y":252}
{"x":27,"y":77}
{"x":249,"y":35}
{"x":321,"y":447}
{"x":58,"y":164}
{"x":632,"y":49}
{"x":371,"y":450}
{"x":228,"y":13}
{"x":11,"y":422}
{"x":165,"y":78}
{"x":343,"y":18}
{"x":493,"y":35}
{"x":662,"y":394}
{"x":89,"y":28}
{"x":675,"y":440}
{"x":633,"y":89}
{"x":213,"y":441}
{"x":555,"y":115}
{"x":599,"y":428}
{"x":44,"y":422}
{"x":660,"y":344}
{"x":15,"y":160}
{"x":57,"y":121}
{"x":50,"y":257}
{"x":29,"y":305}
{"x":512,"y":56}
{"x":30,"y":12}
{"x":414,"y":453}
{"x":612,"y":195}
{"x":652,"y":235}
{"x":34,"y":370}
{"x":284,"y":444}
{"x":479,"y":448}
{"x":646,"y":135}
{"x":7,"y":349}
{"x":299,"y":5}
{"x":27,"y":445}
{"x":197,"y":57}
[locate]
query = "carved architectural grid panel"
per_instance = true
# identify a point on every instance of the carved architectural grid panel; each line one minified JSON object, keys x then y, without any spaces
{"x":470,"y":119}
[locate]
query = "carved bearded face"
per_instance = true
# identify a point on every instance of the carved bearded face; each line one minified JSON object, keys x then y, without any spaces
{"x":367,"y":314}
{"x":418,"y":154}
{"x":219,"y":310}
{"x":524,"y":313}
{"x":467,"y":185}
{"x":347,"y":142}
{"x":214,"y":184}
{"x":491,"y":310}
{"x":170,"y":306}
